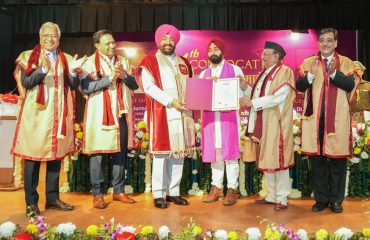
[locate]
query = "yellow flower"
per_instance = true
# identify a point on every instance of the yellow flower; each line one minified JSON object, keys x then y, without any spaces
{"x":232,"y":235}
{"x":146,"y":230}
{"x":141,"y":124}
{"x":197,"y":230}
{"x":366,"y":232}
{"x":146,"y":136}
{"x":144,"y":144}
{"x":92,"y":230}
{"x":32,"y":229}
{"x":321,"y":234}
{"x":268,"y":233}
{"x":357,"y":150}
{"x":299,"y":150}
{"x":241,"y":142}
{"x":368,"y":135}
{"x":79,"y":135}
{"x":77,"y":127}
{"x":272,"y":235}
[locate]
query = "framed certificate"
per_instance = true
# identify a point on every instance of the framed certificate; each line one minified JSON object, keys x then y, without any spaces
{"x":210,"y":95}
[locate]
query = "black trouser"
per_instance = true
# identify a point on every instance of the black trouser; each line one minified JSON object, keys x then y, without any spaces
{"x":31,"y":180}
{"x":118,"y":165}
{"x":328,"y":174}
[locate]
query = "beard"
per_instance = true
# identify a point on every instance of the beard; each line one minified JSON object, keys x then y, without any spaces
{"x":167,"y":51}
{"x":215,"y":59}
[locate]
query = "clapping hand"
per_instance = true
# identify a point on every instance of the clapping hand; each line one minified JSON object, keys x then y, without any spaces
{"x":332,"y":66}
{"x":314,"y":68}
{"x":76,"y":63}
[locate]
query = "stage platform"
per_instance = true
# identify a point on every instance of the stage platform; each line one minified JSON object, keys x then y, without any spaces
{"x":212,"y":215}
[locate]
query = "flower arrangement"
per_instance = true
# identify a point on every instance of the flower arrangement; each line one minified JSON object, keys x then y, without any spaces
{"x":361,"y":141}
{"x":297,"y":131}
{"x":38,"y":229}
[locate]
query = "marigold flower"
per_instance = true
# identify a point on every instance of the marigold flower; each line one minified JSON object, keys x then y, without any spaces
{"x":32,"y":228}
{"x":92,"y":230}
{"x":357,"y":150}
{"x":366,"y":232}
{"x":197,"y":230}
{"x":321,"y":234}
{"x":232,"y":235}
{"x":146,"y":230}
{"x":79,"y":135}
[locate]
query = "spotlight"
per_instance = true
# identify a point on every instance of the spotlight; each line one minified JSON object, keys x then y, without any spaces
{"x":294,"y":36}
{"x":130,"y":52}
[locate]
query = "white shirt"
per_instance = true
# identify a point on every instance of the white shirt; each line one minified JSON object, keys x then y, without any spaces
{"x":311,"y":77}
{"x":153,"y":90}
{"x":267,"y":101}
{"x":216,"y":72}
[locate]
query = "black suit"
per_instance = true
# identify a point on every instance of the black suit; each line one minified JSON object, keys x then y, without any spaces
{"x":328,"y":175}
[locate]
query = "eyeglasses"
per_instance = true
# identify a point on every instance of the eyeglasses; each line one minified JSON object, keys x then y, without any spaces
{"x":53,"y":36}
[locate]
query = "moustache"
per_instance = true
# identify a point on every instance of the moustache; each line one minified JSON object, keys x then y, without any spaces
{"x":168,"y":45}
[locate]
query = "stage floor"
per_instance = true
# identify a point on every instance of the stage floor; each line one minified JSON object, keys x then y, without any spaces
{"x":213,"y":215}
{"x":208,"y":215}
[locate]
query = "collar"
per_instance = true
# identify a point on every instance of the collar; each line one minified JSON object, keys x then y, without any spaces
{"x":106,"y":58}
{"x":269,"y":69}
{"x":49,"y":52}
{"x":329,"y":58}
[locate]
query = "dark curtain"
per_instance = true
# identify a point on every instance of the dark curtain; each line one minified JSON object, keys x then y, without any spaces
{"x":6,"y":59}
{"x":20,"y":25}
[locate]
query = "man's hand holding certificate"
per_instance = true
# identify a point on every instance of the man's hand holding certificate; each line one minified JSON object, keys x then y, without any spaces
{"x":212,"y":94}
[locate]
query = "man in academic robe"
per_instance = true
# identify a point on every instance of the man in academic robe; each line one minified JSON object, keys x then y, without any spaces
{"x":108,"y":117}
{"x":46,"y":79}
{"x":171,"y":127}
{"x":270,"y":124}
{"x":220,"y":130}
{"x":329,"y":84}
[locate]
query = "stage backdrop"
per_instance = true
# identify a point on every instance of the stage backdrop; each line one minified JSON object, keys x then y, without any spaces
{"x":243,"y":49}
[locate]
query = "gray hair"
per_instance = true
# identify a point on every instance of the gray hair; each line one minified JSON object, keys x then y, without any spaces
{"x":329,"y":30}
{"x":50,"y":25}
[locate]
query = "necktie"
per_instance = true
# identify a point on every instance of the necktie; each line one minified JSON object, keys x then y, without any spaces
{"x":326,"y":64}
{"x":52,"y":59}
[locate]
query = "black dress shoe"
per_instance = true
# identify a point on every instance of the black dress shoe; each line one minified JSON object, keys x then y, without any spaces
{"x":319,"y":206}
{"x":160,"y":203}
{"x":177,"y":200}
{"x":32,"y":210}
{"x":58,"y":204}
{"x":336,"y":207}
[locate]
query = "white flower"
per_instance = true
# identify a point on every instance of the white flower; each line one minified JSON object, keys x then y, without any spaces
{"x":253,"y":233}
{"x":361,"y":126}
{"x":164,"y":231}
{"x":199,"y":135}
{"x":364,"y":155}
{"x":295,"y":193}
{"x":297,"y":140}
{"x":195,"y":171}
{"x":345,"y":233}
{"x":128,"y":189}
{"x":7,"y":229}
{"x":354,"y":160}
{"x":139,"y":134}
{"x":129,"y":229}
{"x":66,"y":228}
{"x":221,"y":235}
{"x":142,"y":156}
{"x":302,"y":234}
{"x":295,"y":130}
{"x":295,"y":148}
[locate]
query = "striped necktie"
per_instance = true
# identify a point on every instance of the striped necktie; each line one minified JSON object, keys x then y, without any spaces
{"x":52,"y":59}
